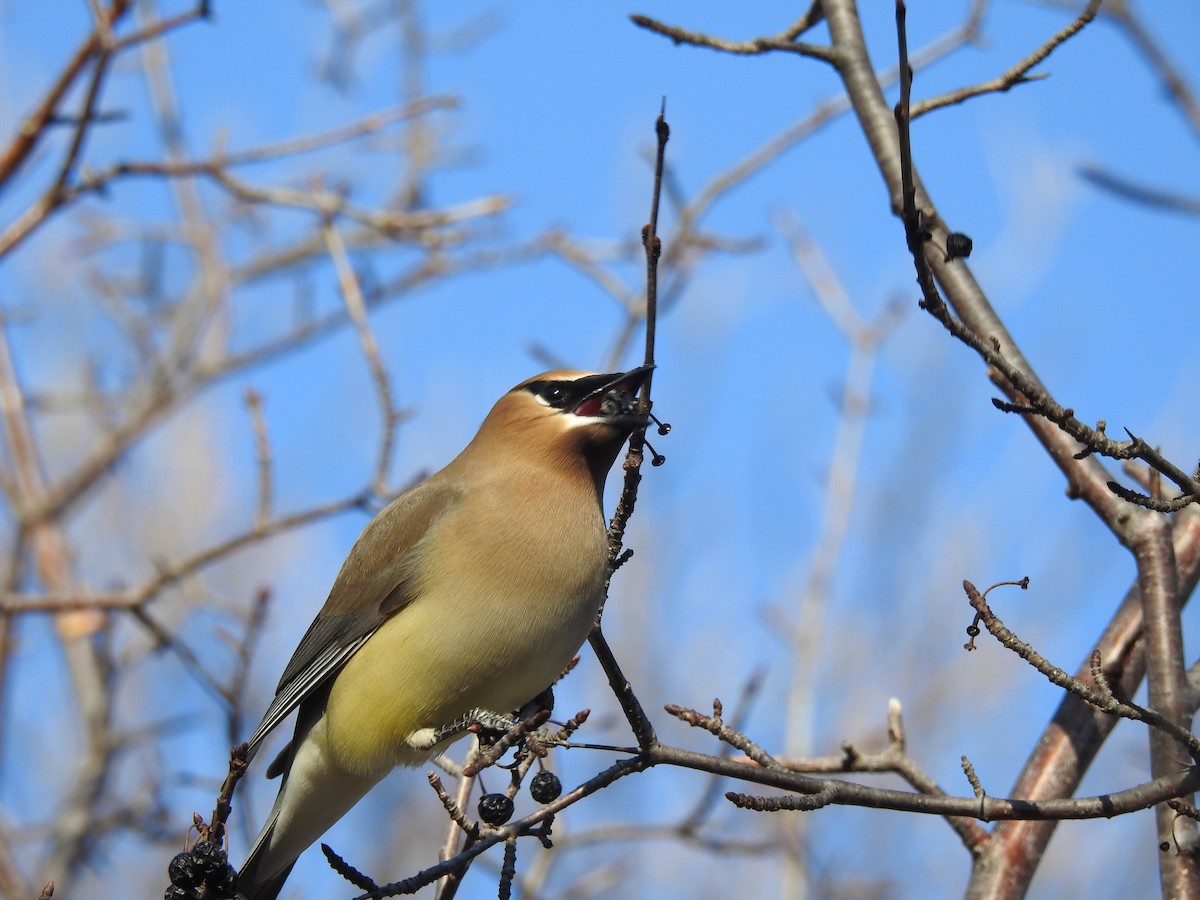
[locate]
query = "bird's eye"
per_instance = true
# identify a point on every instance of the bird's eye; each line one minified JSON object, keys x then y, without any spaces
{"x":555,"y":394}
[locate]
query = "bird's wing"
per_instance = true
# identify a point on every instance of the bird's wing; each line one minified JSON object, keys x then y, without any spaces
{"x":374,"y":584}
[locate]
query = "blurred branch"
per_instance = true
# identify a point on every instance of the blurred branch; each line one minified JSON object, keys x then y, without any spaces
{"x":262,"y":456}
{"x":415,"y":108}
{"x":1176,"y":84}
{"x":86,"y":116}
{"x":357,"y":310}
{"x":1180,"y":91}
{"x":87,"y":663}
{"x":586,"y":262}
{"x":393,"y":223}
{"x":37,"y":125}
{"x":806,"y":625}
{"x":99,"y":50}
{"x":204,"y":308}
{"x":12,"y":883}
{"x":236,"y":689}
{"x":169,"y":574}
{"x":1171,"y":201}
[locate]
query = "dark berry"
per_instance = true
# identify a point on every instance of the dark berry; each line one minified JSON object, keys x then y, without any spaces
{"x":221,"y":884}
{"x":174,"y":892}
{"x":958,"y":245}
{"x":545,"y":787}
{"x":183,"y":871}
{"x":495,"y":809}
{"x":209,"y":856}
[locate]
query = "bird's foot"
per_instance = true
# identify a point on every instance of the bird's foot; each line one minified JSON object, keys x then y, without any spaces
{"x":428,"y":738}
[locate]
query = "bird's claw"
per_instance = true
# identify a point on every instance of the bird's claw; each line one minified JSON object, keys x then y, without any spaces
{"x":428,"y":738}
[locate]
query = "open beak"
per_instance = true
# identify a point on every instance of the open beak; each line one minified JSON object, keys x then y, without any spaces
{"x":615,"y":400}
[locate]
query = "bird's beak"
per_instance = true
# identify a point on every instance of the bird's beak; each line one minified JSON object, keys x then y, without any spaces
{"x":615,"y":400}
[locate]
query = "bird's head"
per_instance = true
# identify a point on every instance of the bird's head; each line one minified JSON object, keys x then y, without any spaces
{"x":570,"y":417}
{"x":583,"y":399}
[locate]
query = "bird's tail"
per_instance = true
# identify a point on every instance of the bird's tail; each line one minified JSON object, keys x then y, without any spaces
{"x":314,"y":794}
{"x":269,"y":889}
{"x":253,"y":882}
{"x":251,"y":887}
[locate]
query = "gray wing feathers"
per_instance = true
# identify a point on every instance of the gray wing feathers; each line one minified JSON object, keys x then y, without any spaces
{"x":374,"y":584}
{"x":292,"y":692}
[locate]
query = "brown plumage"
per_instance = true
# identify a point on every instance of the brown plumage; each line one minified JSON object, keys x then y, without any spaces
{"x":471,"y":591}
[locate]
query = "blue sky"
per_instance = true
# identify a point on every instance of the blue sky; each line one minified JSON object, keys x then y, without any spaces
{"x":557,"y":109}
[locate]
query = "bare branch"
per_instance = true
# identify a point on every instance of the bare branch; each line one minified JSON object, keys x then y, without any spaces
{"x":1172,"y":201}
{"x":357,"y":310}
{"x":1108,"y":703}
{"x":784,"y":42}
{"x":262,"y":456}
{"x":34,"y":128}
{"x":1158,"y":581}
{"x":1017,"y":74}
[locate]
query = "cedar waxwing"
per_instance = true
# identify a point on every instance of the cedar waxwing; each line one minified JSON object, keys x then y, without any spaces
{"x":461,"y":601}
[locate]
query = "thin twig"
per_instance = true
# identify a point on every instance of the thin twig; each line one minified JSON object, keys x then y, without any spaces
{"x":1105,"y":702}
{"x":785,"y":42}
{"x":35,"y":126}
{"x":237,"y":769}
{"x":1033,"y":398}
{"x":638,"y":720}
{"x":357,"y":310}
{"x":1159,"y":198}
{"x":262,"y":456}
{"x":461,"y":833}
{"x":1017,"y":74}
{"x":83,"y":599}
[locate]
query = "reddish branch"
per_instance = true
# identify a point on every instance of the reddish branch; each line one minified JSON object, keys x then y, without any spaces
{"x":37,"y":124}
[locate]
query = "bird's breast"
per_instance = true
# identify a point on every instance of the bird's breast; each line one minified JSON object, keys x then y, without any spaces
{"x":500,"y":605}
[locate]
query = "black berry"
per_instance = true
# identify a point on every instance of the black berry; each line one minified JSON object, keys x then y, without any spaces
{"x":958,"y":245}
{"x":210,"y":856}
{"x":495,"y":809}
{"x":222,"y":884}
{"x":545,"y":787}
{"x":183,"y":872}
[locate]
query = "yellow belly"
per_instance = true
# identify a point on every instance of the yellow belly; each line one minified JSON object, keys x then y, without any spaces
{"x":440,"y":658}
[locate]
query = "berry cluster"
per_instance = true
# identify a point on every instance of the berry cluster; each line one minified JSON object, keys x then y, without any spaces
{"x":496,"y":809}
{"x":202,"y":873}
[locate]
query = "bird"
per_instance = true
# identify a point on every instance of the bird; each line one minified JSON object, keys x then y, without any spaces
{"x":462,"y":600}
